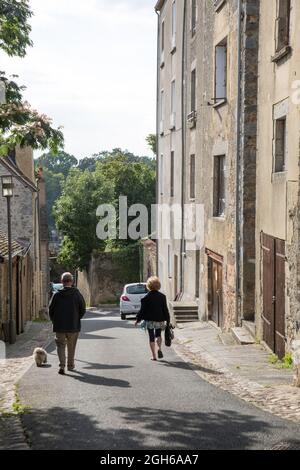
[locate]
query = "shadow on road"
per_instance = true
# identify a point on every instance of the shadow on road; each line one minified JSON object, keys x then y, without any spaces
{"x":98,"y":380}
{"x":188,"y":366}
{"x":146,"y":428}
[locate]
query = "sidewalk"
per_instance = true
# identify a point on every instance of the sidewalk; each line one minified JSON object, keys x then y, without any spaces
{"x":244,"y":371}
{"x":18,"y":360}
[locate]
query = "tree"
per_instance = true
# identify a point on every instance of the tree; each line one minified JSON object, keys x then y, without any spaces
{"x":117,"y":174}
{"x":75,"y":216}
{"x":60,"y":163}
{"x":152,"y":142}
{"x":24,"y":126}
{"x":19,"y":123}
{"x":56,"y":170}
{"x":14,"y":27}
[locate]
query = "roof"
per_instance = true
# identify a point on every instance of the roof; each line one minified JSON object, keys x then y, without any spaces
{"x":159,"y":5}
{"x":9,"y":165}
{"x":18,"y":249}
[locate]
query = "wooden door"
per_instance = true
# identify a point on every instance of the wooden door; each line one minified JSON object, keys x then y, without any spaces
{"x":273,"y":252}
{"x":280,"y":298}
{"x":216,"y":292}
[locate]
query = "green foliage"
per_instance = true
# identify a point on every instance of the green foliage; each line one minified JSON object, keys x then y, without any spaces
{"x":19,"y":123}
{"x":59,"y":163}
{"x":75,"y":216}
{"x":152,"y":142}
{"x":14,"y":26}
{"x":285,"y":363}
{"x":116,"y":174}
{"x":24,"y":126}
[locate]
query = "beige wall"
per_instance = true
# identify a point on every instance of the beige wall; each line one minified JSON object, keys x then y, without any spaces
{"x":277,"y":195}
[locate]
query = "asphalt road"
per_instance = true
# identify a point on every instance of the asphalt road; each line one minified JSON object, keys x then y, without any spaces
{"x":119,"y":399}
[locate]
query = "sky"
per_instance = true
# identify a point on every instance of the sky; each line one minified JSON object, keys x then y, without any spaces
{"x":92,"y":70}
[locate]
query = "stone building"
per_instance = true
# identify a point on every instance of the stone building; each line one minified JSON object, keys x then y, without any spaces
{"x":29,"y":230}
{"x":278,"y":158}
{"x":207,"y":112}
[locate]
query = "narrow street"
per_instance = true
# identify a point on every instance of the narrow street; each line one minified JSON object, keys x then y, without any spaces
{"x":119,"y":399}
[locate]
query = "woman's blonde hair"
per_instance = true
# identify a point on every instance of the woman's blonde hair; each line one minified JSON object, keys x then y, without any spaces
{"x":153,"y":283}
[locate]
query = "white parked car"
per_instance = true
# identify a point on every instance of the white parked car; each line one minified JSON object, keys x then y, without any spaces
{"x":130,"y":300}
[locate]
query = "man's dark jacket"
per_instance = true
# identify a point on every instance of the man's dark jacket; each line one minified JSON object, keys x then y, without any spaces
{"x":66,"y":309}
{"x":154,"y":308}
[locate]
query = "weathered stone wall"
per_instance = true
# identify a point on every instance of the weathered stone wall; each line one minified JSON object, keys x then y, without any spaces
{"x":106,"y":276}
{"x":149,"y":259}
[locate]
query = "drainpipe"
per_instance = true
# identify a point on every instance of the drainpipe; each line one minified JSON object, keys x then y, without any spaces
{"x":157,"y":235}
{"x":183,"y":127}
{"x":239,"y":189}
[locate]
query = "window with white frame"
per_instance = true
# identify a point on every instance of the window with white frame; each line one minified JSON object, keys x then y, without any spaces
{"x":280,"y":145}
{"x":221,"y":71}
{"x":280,"y":113}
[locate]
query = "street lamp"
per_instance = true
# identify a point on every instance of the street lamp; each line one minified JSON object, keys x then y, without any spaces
{"x":7,"y":192}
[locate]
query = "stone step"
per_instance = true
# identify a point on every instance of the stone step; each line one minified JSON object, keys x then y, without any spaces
{"x":227,"y":339}
{"x":242,"y":336}
{"x":250,"y":327}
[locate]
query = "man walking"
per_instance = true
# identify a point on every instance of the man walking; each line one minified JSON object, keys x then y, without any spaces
{"x":66,"y":309}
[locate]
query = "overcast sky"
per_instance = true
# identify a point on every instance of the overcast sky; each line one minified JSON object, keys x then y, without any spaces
{"x":93,"y":70}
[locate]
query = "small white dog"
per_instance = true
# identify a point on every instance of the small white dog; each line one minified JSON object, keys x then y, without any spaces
{"x":40,"y":356}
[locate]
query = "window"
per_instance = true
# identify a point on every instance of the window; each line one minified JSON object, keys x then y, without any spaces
{"x":162,"y":53}
{"x":172,"y":174}
{"x":280,"y":145}
{"x":219,"y":186}
{"x":173,"y":96}
{"x":283,"y":24}
{"x":162,"y":102}
{"x":221,"y":71}
{"x":169,"y":262}
{"x":173,"y":26}
{"x":193,"y":90}
{"x":192,"y":177}
{"x":194,"y":16}
{"x":161,"y":174}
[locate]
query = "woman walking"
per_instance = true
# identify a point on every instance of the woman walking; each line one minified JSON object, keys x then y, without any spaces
{"x":154,"y":311}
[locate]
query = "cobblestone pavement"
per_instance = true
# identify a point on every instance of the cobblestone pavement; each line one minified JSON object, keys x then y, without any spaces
{"x":241,"y":370}
{"x":18,"y":358}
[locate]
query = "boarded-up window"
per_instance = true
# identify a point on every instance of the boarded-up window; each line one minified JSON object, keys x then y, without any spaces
{"x":192,"y":177}
{"x":283,"y":24}
{"x":280,"y":145}
{"x":193,"y":90}
{"x":172,"y":174}
{"x":221,"y":71}
{"x":219,"y":186}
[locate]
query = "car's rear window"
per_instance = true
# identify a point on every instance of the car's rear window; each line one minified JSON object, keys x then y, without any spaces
{"x":138,"y":289}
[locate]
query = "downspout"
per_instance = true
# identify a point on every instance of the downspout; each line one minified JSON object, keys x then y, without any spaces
{"x":157,"y":234}
{"x":238,"y":171}
{"x":183,"y":126}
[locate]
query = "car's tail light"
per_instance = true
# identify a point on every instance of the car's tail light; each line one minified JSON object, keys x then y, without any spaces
{"x":125,"y":298}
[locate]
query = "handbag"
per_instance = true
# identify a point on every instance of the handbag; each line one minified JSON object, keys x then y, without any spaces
{"x":169,"y":335}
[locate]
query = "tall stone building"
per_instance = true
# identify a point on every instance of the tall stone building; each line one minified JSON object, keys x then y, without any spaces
{"x":278,"y":158}
{"x":207,"y":110}
{"x":30,"y":232}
